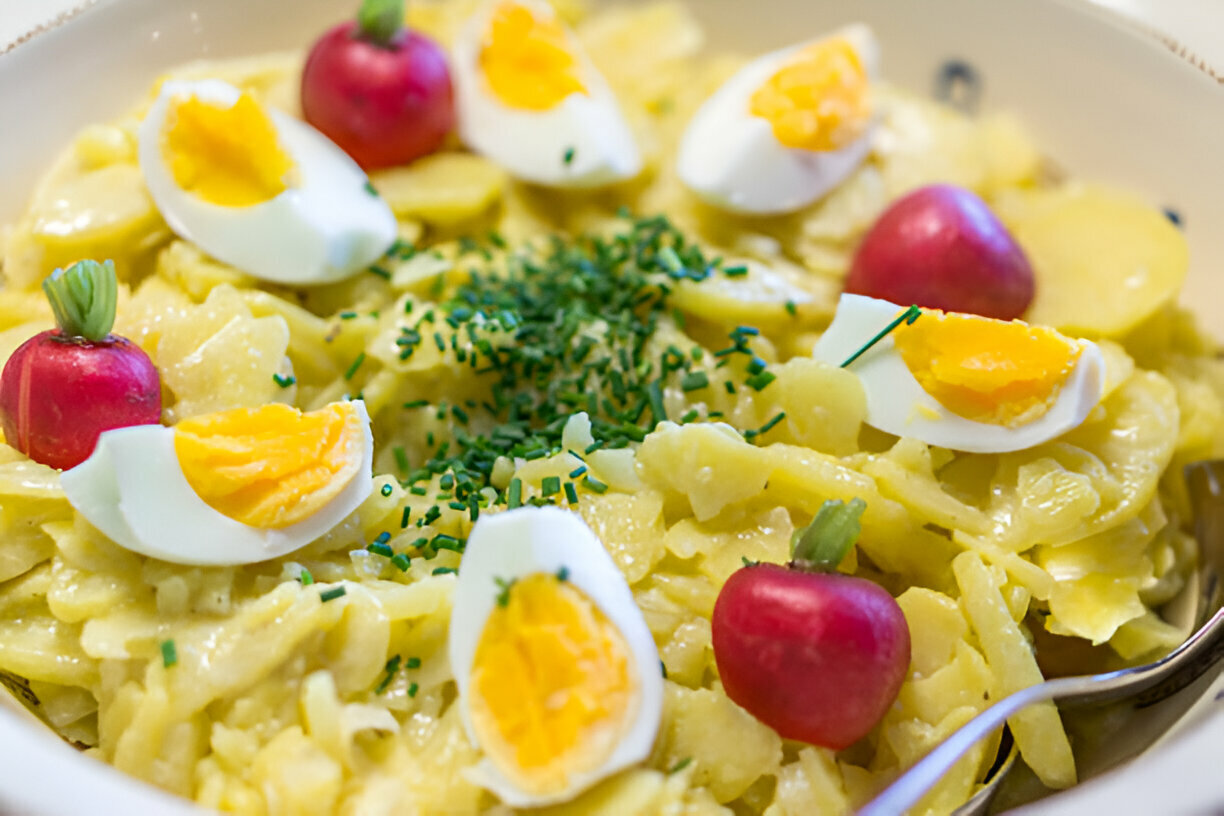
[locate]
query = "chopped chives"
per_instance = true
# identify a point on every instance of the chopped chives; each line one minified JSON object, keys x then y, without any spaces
{"x":689,"y":416}
{"x":405,"y":516}
{"x":401,"y":562}
{"x":594,"y":484}
{"x":169,"y":653}
{"x":418,"y":490}
{"x":571,"y":493}
{"x":413,"y":663}
{"x":380,"y":272}
{"x":352,"y":369}
{"x":791,"y":309}
{"x":756,"y":365}
{"x":391,"y":667}
{"x":387,"y":489}
{"x":550,"y":486}
{"x":413,"y":688}
{"x":729,"y":386}
{"x":694,"y":381}
{"x":284,"y":382}
{"x":768,"y":426}
{"x":383,"y":537}
{"x":759,"y":381}
{"x":578,"y":471}
{"x":416,"y":403}
{"x":444,"y":571}
{"x":369,"y":188}
{"x":305,"y":578}
{"x":735,"y":271}
{"x":568,"y":157}
{"x":907,"y":317}
{"x":381,"y":549}
{"x":332,"y":594}
{"x":514,"y":497}
{"x":401,"y":458}
{"x":563,"y":574}
{"x":680,"y":766}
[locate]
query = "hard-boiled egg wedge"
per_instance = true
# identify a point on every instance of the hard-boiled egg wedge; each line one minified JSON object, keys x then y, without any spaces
{"x":258,"y":189}
{"x":786,"y":128}
{"x":529,"y":99}
{"x":234,"y":487}
{"x":962,"y":381}
{"x":559,"y":681}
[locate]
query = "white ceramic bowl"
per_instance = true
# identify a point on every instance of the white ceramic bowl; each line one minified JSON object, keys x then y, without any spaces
{"x":1104,"y":99}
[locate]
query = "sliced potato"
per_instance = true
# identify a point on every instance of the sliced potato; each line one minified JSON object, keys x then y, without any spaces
{"x":1105,"y":260}
{"x":443,"y":189}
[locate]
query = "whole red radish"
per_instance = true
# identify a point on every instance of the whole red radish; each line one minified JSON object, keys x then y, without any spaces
{"x":381,"y":92}
{"x":817,"y":656}
{"x":942,"y":247}
{"x":64,"y":387}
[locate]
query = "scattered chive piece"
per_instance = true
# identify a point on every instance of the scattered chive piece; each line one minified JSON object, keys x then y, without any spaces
{"x":514,"y":497}
{"x":550,"y":486}
{"x":759,"y":381}
{"x":352,"y":370}
{"x":729,"y":386}
{"x":387,"y":489}
{"x":655,"y":394}
{"x":413,"y":688}
{"x":503,"y":594}
{"x":401,"y":562}
{"x":594,"y":484}
{"x":413,"y":663}
{"x":306,"y":578}
{"x":406,"y":515}
{"x":369,"y":188}
{"x":380,"y":272}
{"x":748,"y":562}
{"x":680,"y":766}
{"x":578,"y":471}
{"x":663,"y":668}
{"x":694,"y":381}
{"x":390,"y":668}
{"x":444,"y":571}
{"x":401,"y":458}
{"x":735,"y":271}
{"x":284,"y":382}
{"x":689,"y":415}
{"x":381,"y":549}
{"x":383,"y":537}
{"x":332,"y":594}
{"x":571,"y":493}
{"x":907,"y":317}
{"x":791,"y":309}
{"x":169,"y":653}
{"x":568,"y":158}
{"x":418,"y":490}
{"x":756,"y":365}
{"x":416,"y":404}
{"x":563,"y":574}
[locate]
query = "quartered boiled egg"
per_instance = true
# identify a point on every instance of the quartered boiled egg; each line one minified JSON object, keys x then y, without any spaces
{"x":233,"y":487}
{"x":962,"y":381}
{"x":529,"y":99}
{"x":258,"y":189}
{"x":559,"y":680}
{"x":786,"y":128}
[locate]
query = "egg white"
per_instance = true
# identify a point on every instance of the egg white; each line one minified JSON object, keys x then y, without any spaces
{"x":324,"y":229}
{"x":528,"y":540}
{"x":133,"y":490}
{"x":897,"y":403}
{"x":532,"y":145}
{"x":732,"y":160}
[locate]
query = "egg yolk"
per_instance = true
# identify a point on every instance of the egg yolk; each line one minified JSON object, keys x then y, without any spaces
{"x":819,"y":100}
{"x":227,"y":155}
{"x":993,"y":371}
{"x":552,"y":684}
{"x":526,"y":60}
{"x":272,"y":466}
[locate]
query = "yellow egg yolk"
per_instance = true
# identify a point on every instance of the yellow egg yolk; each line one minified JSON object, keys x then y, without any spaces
{"x":272,"y":466}
{"x":527,"y":60}
{"x":227,"y":155}
{"x":552,"y":684}
{"x":819,"y":100}
{"x":993,"y":371}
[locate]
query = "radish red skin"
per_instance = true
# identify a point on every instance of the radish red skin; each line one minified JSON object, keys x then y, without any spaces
{"x":383,"y":105}
{"x":941,"y":247}
{"x":819,"y":657}
{"x":58,"y":394}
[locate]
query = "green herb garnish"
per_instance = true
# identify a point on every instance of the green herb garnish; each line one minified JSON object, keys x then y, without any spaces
{"x":907,"y":317}
{"x":169,"y":653}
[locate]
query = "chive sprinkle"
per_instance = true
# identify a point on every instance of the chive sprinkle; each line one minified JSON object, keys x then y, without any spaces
{"x":503,"y":591}
{"x":568,"y":157}
{"x":694,"y":381}
{"x":306,"y":578}
{"x":550,"y":486}
{"x":594,"y":485}
{"x":515,"y":496}
{"x":759,"y":381}
{"x":282,"y":381}
{"x":413,"y":688}
{"x":680,"y":766}
{"x":907,"y":317}
{"x":169,"y":653}
{"x":352,"y":369}
{"x":735,"y":271}
{"x":571,"y":493}
{"x":563,"y":574}
{"x":369,"y":188}
{"x":332,"y":594}
{"x":391,"y":668}
{"x":387,"y":489}
{"x":444,"y":571}
{"x":381,"y":549}
{"x":401,"y":562}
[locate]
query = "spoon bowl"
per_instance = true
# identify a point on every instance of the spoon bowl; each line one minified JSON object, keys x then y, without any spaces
{"x":1146,"y":684}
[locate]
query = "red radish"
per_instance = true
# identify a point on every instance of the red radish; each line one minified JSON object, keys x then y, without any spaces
{"x":65,"y":386}
{"x":817,"y":656}
{"x":942,"y":247}
{"x":379,"y":91}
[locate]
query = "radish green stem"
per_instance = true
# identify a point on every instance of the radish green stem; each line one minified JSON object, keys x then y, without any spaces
{"x":83,"y":298}
{"x":824,"y":543}
{"x":380,"y":20}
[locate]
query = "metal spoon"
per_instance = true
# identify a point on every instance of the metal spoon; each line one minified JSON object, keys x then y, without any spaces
{"x":1202,"y":652}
